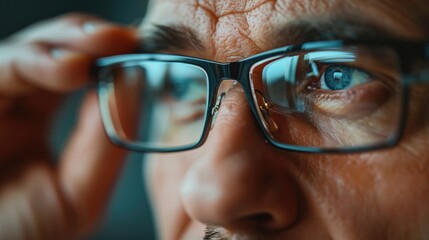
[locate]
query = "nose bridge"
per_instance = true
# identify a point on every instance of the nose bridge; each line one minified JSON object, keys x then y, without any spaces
{"x":232,"y":71}
{"x":236,"y":166}
{"x":235,"y":71}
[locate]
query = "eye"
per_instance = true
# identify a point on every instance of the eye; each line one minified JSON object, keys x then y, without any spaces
{"x":186,"y":97}
{"x":180,"y":88}
{"x":346,"y":91}
{"x":187,"y":89}
{"x":341,"y":77}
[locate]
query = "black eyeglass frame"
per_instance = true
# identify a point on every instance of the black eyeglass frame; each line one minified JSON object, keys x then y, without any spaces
{"x":239,"y":71}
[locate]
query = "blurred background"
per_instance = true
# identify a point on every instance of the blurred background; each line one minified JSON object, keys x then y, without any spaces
{"x":129,"y":215}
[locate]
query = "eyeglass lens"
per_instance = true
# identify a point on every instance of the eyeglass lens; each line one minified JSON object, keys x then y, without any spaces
{"x":327,"y":98}
{"x":330,"y":98}
{"x":158,"y":104}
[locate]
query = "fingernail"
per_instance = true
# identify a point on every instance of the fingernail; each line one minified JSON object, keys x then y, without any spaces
{"x":58,"y":53}
{"x":89,"y":27}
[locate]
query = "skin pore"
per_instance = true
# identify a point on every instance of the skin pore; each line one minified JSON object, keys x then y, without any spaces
{"x":252,"y":190}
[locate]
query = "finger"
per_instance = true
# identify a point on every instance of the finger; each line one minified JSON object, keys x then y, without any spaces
{"x":62,"y":61}
{"x":38,"y":65}
{"x":89,"y":166}
{"x":82,"y":32}
{"x":24,"y":124}
{"x":31,"y":206}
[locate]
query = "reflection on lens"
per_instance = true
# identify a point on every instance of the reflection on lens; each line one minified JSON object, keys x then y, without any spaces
{"x":340,"y":77}
{"x":335,"y":98}
{"x":158,"y":104}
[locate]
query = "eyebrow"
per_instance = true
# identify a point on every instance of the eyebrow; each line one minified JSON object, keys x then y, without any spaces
{"x":170,"y":38}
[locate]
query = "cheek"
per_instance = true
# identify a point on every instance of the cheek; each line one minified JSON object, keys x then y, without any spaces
{"x":164,"y":172}
{"x":383,"y":193}
{"x":400,"y":192}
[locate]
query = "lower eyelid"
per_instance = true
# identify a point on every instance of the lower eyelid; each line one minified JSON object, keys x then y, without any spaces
{"x":352,"y":103}
{"x":196,"y":111}
{"x":189,"y":118}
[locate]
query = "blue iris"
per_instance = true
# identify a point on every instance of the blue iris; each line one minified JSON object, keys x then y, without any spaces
{"x":180,"y":88}
{"x":338,"y":77}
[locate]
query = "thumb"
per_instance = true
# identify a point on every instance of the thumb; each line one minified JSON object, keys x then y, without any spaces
{"x":89,"y":167}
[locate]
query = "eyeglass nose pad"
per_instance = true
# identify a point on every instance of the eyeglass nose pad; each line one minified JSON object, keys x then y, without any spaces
{"x":264,"y":109}
{"x":216,"y":108}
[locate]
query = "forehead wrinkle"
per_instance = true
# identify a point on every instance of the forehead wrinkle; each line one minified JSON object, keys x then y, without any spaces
{"x":231,"y":24}
{"x":232,"y":38}
{"x":231,"y":30}
{"x":254,"y":27}
{"x":223,"y":8}
{"x":249,"y":27}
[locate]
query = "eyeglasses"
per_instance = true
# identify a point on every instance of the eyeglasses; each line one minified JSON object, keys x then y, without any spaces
{"x":333,"y":96}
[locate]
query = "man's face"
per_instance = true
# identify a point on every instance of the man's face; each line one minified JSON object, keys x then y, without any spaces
{"x":248,"y":188}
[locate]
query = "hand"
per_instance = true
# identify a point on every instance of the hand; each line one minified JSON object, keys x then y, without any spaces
{"x":39,"y":199}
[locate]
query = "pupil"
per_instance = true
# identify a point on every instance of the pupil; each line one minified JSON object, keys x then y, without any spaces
{"x":338,"y":77}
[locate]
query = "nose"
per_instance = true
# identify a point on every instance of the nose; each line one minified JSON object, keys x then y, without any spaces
{"x":238,"y":182}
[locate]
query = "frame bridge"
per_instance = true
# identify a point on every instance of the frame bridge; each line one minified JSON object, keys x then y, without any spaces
{"x":229,"y":71}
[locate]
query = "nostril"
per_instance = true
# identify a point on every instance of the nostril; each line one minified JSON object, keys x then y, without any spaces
{"x":258,"y":222}
{"x":261,"y":218}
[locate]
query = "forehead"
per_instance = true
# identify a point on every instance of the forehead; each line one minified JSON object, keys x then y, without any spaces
{"x":232,"y":30}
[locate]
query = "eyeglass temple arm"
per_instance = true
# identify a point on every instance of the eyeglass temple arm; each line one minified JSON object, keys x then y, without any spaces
{"x":421,"y":77}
